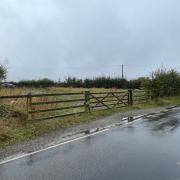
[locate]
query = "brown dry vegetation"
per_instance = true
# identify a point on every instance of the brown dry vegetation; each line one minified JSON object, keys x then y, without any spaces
{"x":20,"y":103}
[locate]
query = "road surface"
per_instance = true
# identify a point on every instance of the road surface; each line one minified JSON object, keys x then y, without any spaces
{"x":146,"y":149}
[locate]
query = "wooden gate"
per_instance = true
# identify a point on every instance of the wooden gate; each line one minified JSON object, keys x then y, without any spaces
{"x":108,"y":100}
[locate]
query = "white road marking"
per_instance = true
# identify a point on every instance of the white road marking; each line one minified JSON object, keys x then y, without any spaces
{"x":51,"y":147}
{"x":69,"y":141}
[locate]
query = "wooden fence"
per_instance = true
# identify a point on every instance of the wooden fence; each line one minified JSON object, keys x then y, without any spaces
{"x":49,"y":106}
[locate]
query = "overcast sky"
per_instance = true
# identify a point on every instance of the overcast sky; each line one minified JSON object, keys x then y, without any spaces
{"x":87,"y":38}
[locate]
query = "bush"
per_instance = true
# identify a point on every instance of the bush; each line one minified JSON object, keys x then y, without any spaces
{"x":4,"y":110}
{"x":164,"y":83}
{"x":36,"y":83}
{"x":99,"y":82}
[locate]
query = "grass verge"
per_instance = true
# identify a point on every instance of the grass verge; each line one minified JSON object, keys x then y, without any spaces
{"x":15,"y":128}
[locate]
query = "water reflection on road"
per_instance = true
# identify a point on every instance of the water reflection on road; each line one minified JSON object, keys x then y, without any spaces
{"x":147,"y":149}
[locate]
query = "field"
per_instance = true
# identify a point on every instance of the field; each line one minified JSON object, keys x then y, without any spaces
{"x":14,"y":126}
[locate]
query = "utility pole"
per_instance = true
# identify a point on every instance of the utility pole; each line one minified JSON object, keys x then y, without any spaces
{"x":122,"y":71}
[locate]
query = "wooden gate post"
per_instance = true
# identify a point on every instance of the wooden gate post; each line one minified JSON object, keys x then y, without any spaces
{"x":130,"y":97}
{"x":87,"y":101}
{"x":29,"y":101}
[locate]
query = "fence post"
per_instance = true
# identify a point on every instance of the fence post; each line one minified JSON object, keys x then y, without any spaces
{"x":29,"y":101}
{"x":87,"y":101}
{"x":130,"y":97}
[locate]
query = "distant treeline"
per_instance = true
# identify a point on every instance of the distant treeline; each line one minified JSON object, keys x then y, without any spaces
{"x":161,"y":82}
{"x":99,"y":82}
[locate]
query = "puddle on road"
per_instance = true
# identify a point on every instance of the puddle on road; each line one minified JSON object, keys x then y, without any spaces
{"x":165,"y":120}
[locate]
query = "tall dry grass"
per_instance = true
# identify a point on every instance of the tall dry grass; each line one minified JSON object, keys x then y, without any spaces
{"x":20,"y":104}
{"x":16,"y":104}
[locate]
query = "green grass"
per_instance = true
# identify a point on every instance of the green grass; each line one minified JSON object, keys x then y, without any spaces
{"x":166,"y":101}
{"x":16,"y":129}
{"x":14,"y":126}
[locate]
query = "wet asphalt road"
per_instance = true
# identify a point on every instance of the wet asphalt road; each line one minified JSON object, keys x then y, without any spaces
{"x":147,"y":149}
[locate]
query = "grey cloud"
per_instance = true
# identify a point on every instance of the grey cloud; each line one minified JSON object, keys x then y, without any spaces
{"x":52,"y":39}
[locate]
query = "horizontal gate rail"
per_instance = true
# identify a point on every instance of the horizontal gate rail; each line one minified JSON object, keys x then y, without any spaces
{"x":55,"y":109}
{"x":56,"y":102}
{"x":58,"y":116}
{"x":113,"y":100}
{"x":13,"y":97}
{"x":115,"y":92}
{"x":110,"y":105}
{"x":141,"y":99}
{"x":56,"y":94}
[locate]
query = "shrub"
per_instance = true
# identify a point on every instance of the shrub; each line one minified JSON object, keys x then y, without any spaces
{"x":164,"y":83}
{"x":4,"y":110}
